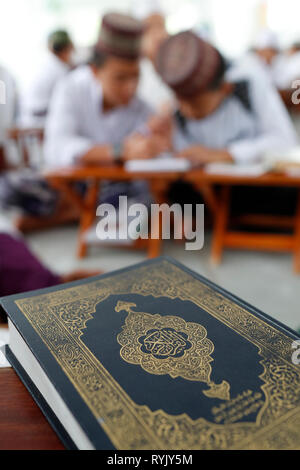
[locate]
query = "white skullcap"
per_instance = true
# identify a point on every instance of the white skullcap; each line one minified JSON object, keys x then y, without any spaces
{"x":141,"y":9}
{"x":266,"y":39}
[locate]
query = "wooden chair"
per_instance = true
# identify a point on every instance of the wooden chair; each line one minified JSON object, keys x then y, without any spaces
{"x":226,"y":237}
{"x":66,"y":212}
{"x":22,"y":138}
{"x":64,"y":179}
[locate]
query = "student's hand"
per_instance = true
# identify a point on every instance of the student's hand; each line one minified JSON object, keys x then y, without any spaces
{"x":199,"y":155}
{"x":99,"y":154}
{"x":160,"y":124}
{"x":138,"y":147}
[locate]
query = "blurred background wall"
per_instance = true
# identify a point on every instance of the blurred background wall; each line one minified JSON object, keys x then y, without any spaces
{"x":231,"y":24}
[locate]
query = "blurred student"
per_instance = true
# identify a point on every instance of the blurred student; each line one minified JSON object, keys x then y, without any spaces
{"x":36,"y":100}
{"x":266,"y":46}
{"x":8,"y":114}
{"x":223,"y":116}
{"x":22,"y":271}
{"x":23,"y":188}
{"x":288,"y":67}
{"x":151,"y":88}
{"x":95,"y":116}
{"x":264,"y":58}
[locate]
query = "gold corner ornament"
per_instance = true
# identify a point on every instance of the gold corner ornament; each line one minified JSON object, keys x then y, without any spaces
{"x":168,"y":345}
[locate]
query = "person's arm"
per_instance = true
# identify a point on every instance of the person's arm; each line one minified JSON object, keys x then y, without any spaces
{"x":64,"y":145}
{"x":275,"y":128}
{"x":144,"y":142}
{"x":96,"y":155}
{"x":161,"y":125}
{"x":135,"y":147}
{"x":199,"y":155}
{"x":141,"y":147}
{"x":21,"y":271}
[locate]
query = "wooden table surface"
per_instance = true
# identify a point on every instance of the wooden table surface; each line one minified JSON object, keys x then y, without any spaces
{"x":267,"y":179}
{"x":219,"y":204}
{"x":22,"y":424}
{"x":113,"y":172}
{"x":108,"y":172}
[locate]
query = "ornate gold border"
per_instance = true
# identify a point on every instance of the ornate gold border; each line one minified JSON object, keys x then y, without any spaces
{"x":59,"y":318}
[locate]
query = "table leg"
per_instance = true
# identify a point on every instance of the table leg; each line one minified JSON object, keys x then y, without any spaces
{"x":87,"y":217}
{"x":209,"y":196}
{"x":158,"y":190}
{"x":220,"y":225}
{"x":70,"y":193}
{"x":297,"y":238}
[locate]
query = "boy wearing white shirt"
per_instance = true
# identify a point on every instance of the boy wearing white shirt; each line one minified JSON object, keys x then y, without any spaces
{"x":95,"y":116}
{"x":226,"y":116}
{"x":223,"y":115}
{"x":36,"y":100}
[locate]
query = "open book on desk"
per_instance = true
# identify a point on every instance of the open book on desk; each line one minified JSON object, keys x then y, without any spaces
{"x":163,"y":163}
{"x":285,"y":161}
{"x":254,"y":169}
{"x":169,"y":164}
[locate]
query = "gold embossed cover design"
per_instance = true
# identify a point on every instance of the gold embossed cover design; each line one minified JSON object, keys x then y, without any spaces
{"x":169,"y":345}
{"x":163,"y":359}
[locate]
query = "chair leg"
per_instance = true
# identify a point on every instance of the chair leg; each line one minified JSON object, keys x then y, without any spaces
{"x":209,"y":195}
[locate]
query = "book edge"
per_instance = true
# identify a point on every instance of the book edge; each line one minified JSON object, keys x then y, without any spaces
{"x":40,"y":401}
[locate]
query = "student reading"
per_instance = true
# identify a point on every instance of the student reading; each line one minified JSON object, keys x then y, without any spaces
{"x":95,"y":116}
{"x":36,"y":100}
{"x":223,"y":115}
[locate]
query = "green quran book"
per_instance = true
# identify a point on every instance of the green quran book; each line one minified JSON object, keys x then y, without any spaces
{"x":156,"y":357}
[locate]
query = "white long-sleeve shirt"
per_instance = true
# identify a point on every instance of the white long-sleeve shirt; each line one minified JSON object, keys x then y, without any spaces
{"x":246,"y":134}
{"x":36,"y":100}
{"x":76,"y":121}
{"x":287,"y":70}
{"x":8,"y":107}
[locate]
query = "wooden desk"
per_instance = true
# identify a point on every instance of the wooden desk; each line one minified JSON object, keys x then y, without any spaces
{"x":223,"y":237}
{"x":205,"y":183}
{"x":22,"y":424}
{"x":21,"y":136}
{"x":64,"y":179}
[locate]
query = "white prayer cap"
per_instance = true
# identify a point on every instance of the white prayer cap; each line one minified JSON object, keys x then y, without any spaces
{"x":266,"y":39}
{"x":141,"y":9}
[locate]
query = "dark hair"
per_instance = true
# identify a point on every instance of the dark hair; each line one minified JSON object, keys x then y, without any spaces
{"x":296,"y":46}
{"x":220,"y":73}
{"x":59,"y":40}
{"x":98,"y":58}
